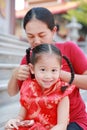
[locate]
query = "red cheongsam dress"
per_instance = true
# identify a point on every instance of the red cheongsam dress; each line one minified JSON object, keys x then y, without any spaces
{"x":42,"y":105}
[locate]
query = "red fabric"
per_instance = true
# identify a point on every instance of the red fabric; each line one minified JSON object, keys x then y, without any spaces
{"x":76,"y":56}
{"x":79,"y":62}
{"x":42,"y":105}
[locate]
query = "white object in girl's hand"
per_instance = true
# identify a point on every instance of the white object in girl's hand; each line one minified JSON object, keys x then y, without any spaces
{"x":26,"y":123}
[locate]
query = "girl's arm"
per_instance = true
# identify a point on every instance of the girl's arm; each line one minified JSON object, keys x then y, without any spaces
{"x":20,"y":73}
{"x":80,"y":80}
{"x":22,"y":113}
{"x":63,"y":114}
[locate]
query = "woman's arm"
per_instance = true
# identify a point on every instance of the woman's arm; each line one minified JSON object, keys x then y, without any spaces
{"x":80,"y":80}
{"x":63,"y":114}
{"x":79,"y":62}
{"x":20,"y":73}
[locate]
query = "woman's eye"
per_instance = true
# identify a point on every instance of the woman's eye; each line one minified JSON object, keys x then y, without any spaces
{"x":30,"y":36}
{"x":42,"y":35}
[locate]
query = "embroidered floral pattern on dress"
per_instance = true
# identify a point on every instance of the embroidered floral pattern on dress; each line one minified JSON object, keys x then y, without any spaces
{"x":42,"y":105}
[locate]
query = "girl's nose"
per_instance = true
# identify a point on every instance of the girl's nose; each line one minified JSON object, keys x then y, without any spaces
{"x":48,"y":75}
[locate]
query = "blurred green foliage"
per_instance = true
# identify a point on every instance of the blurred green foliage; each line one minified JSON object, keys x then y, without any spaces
{"x":81,"y":15}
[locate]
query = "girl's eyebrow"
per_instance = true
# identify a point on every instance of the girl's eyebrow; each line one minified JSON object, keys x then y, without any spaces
{"x":41,"y":66}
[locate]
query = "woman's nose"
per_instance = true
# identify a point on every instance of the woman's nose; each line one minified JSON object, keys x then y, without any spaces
{"x":37,"y":40}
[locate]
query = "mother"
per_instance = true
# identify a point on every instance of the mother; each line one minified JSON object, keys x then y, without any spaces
{"x":40,"y":28}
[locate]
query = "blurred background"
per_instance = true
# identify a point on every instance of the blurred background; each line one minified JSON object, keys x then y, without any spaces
{"x":70,"y":18}
{"x":12,"y":13}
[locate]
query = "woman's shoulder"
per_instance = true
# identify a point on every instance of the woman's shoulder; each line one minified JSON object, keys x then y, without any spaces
{"x":66,"y":44}
{"x":68,"y":47}
{"x":23,"y":61}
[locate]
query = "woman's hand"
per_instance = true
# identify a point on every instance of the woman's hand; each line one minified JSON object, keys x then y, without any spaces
{"x":21,"y":72}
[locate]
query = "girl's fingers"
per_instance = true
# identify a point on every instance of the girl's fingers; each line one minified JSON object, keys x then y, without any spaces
{"x":15,"y":126}
{"x":11,"y":124}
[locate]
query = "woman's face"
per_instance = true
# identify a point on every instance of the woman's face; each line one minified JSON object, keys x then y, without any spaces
{"x":39,"y":33}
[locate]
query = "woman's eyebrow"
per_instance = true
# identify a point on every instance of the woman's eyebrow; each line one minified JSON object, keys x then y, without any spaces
{"x":37,"y":33}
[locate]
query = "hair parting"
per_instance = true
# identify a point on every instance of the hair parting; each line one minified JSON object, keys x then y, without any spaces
{"x":50,"y":50}
{"x":39,"y":13}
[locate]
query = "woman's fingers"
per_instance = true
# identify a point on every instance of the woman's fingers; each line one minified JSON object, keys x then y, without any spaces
{"x":23,"y":72}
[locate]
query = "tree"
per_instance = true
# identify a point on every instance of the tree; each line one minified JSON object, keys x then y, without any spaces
{"x":81,"y":15}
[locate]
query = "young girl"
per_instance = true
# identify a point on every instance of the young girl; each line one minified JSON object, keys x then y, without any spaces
{"x":44,"y":97}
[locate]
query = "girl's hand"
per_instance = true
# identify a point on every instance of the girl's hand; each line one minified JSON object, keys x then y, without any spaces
{"x":26,"y":123}
{"x":13,"y":123}
{"x":21,"y":72}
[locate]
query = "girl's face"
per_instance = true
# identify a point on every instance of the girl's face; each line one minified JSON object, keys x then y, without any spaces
{"x":46,"y":70}
{"x":38,"y":33}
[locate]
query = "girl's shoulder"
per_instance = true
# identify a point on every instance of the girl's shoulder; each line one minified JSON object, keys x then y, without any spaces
{"x":30,"y":86}
{"x":28,"y":83}
{"x":68,"y":90}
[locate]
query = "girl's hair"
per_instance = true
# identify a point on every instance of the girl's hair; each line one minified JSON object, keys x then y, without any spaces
{"x":32,"y":56}
{"x":41,"y":14}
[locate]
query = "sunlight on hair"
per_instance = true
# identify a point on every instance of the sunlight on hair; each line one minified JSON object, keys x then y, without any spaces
{"x":50,"y":50}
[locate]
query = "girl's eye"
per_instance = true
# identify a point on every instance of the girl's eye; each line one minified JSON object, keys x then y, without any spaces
{"x":42,"y":69}
{"x":54,"y":70}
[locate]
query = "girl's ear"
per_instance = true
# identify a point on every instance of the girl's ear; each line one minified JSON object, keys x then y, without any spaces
{"x":31,"y":68}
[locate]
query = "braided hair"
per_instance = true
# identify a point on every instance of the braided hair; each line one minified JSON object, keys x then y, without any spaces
{"x":32,"y":56}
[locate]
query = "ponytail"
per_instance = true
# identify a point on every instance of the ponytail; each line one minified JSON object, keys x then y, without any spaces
{"x":63,"y":88}
{"x":28,"y":54}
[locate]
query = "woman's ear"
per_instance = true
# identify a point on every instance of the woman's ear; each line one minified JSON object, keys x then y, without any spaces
{"x":54,"y":29}
{"x":31,"y":68}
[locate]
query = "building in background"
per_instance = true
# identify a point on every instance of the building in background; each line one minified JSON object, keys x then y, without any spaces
{"x":7,"y":16}
{"x":12,"y":13}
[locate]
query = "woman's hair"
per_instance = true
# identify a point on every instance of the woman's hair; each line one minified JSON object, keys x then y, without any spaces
{"x":41,"y":14}
{"x":32,"y":56}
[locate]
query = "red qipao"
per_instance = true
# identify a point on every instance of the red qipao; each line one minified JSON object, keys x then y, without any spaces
{"x":78,"y":112}
{"x":41,"y":105}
